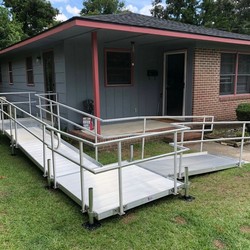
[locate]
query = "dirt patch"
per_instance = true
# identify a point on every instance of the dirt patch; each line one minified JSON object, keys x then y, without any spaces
{"x":245,"y":229}
{"x":180,"y":220}
{"x":219,"y":244}
{"x":129,"y":218}
{"x":2,"y":177}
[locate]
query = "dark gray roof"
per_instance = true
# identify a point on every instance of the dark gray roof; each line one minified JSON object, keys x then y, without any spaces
{"x":138,"y":20}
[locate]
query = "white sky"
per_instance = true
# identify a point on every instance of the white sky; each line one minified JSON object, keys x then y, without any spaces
{"x":69,"y":8}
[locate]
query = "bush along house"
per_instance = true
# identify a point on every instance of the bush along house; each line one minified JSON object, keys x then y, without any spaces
{"x":131,"y":65}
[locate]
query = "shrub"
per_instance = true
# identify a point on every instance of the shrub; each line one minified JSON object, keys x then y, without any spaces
{"x":243,"y":113}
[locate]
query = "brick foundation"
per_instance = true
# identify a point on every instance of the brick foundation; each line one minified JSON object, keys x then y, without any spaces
{"x":206,"y":87}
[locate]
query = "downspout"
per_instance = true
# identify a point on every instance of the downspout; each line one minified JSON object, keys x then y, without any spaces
{"x":95,"y":75}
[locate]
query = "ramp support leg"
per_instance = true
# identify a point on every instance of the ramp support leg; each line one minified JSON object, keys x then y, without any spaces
{"x":131,"y":152}
{"x":92,"y":224}
{"x":49,"y":173}
{"x":12,"y":146}
{"x":186,"y":196}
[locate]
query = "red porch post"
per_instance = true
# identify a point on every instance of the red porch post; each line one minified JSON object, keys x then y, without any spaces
{"x":95,"y":75}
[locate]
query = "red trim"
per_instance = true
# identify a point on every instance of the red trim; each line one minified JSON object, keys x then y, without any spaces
{"x":236,"y":73}
{"x":99,"y":25}
{"x":105,"y":67}
{"x":159,"y":32}
{"x":95,"y":75}
{"x":40,"y":36}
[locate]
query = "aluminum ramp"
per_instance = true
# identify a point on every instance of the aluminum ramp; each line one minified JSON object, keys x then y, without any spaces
{"x":197,"y":163}
{"x":139,"y":185}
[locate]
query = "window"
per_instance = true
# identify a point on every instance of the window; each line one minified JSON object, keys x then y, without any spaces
{"x":118,"y":67}
{"x":1,"y":77}
{"x":29,"y":71}
{"x":234,"y":74}
{"x":10,"y":73}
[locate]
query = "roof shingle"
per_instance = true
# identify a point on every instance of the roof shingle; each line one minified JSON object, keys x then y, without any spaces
{"x":132,"y":19}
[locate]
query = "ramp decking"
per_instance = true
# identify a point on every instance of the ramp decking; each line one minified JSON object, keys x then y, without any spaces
{"x":141,"y":183}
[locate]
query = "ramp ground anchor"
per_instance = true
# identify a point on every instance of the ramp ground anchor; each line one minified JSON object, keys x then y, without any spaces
{"x":186,"y":196}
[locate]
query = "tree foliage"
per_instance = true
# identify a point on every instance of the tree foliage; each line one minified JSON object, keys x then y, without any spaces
{"x":34,"y":15}
{"x":229,"y":15}
{"x":100,"y":7}
{"x":10,"y":30}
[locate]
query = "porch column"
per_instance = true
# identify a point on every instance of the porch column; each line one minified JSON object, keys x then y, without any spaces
{"x":95,"y":75}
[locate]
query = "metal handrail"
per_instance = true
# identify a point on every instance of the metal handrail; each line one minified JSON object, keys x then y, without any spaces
{"x":28,"y":93}
{"x":178,"y":127}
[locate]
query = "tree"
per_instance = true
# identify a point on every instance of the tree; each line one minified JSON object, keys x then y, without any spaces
{"x":178,"y":10}
{"x":100,"y":7}
{"x":158,"y":9}
{"x":243,"y":14}
{"x":10,"y":30}
{"x":228,"y":15}
{"x":220,"y":14}
{"x":34,"y":15}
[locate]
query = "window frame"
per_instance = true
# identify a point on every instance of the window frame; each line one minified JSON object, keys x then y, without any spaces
{"x":118,"y":50}
{"x":10,"y":73}
{"x":1,"y":76}
{"x":29,"y":71}
{"x":236,"y":74}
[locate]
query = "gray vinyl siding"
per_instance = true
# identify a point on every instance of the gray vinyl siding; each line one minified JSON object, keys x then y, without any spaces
{"x":142,"y":98}
{"x":19,"y":73}
{"x":73,"y":76}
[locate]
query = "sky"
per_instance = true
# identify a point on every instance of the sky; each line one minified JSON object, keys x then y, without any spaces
{"x":69,"y":8}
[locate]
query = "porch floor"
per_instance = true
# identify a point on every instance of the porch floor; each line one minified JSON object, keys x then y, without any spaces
{"x":131,"y":127}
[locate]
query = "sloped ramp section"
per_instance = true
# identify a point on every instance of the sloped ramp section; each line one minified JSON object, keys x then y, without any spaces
{"x":197,"y":163}
{"x":139,"y":185}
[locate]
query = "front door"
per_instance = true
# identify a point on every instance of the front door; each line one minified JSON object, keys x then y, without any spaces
{"x":49,"y":72}
{"x":174,"y":83}
{"x":49,"y":77}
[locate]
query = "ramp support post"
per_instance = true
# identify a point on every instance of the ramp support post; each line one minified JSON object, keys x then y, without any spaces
{"x":12,"y":146}
{"x":180,"y":160}
{"x":92,"y":224}
{"x":242,"y":143}
{"x":186,"y":195}
{"x":90,"y":211}
{"x":49,"y":173}
{"x":131,"y":152}
{"x":121,"y":209}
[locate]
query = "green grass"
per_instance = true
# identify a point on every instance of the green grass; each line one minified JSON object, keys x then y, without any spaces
{"x":108,"y":156}
{"x":32,"y":217}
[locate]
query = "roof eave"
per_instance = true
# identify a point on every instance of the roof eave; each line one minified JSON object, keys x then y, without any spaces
{"x":78,"y":21}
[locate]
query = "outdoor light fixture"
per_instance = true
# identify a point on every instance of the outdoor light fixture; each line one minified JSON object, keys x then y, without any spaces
{"x":38,"y":59}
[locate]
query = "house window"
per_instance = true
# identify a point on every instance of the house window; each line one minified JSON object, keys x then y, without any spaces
{"x":234,"y":74}
{"x":10,"y":73}
{"x":118,"y":67}
{"x":1,"y":77}
{"x":29,"y":71}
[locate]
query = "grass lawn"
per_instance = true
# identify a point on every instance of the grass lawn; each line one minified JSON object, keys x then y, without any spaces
{"x":32,"y":217}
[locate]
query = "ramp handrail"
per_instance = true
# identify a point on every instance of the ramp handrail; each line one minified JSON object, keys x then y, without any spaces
{"x":177,"y":128}
{"x":56,"y":150}
{"x":24,"y":94}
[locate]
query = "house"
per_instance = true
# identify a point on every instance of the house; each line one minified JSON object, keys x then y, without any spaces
{"x":133,"y":65}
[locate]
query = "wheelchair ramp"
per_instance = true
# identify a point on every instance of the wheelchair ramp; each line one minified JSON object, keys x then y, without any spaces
{"x":197,"y":163}
{"x":139,"y":185}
